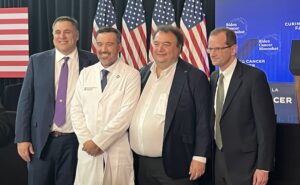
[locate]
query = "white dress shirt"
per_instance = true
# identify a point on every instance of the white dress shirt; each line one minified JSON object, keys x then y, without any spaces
{"x":226,"y":81}
{"x":73,"y":65}
{"x":147,"y":127}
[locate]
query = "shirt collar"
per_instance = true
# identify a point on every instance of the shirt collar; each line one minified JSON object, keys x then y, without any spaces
{"x":111,"y":68}
{"x":229,"y":70}
{"x":165,"y":71}
{"x":59,"y":56}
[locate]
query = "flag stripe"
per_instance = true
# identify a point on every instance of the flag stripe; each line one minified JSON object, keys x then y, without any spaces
{"x":13,"y":57}
{"x":14,"y":74}
{"x":193,"y":27}
{"x":129,"y":57}
{"x":14,"y":42}
{"x":134,"y":42}
{"x":190,"y":43}
{"x":14,"y":47}
{"x":13,"y":37}
{"x":13,"y":63}
{"x":137,"y":46}
{"x":153,"y":28}
{"x":13,"y":26}
{"x":13,"y":68}
{"x":142,"y":34}
{"x":202,"y":46}
{"x":14,"y":11}
{"x":94,"y":32}
{"x":104,"y":17}
{"x":14,"y":52}
{"x":196,"y":48}
{"x":13,"y":21}
{"x":189,"y":56}
{"x":13,"y":32}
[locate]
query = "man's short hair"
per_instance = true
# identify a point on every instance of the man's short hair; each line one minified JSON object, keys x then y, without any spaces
{"x":110,"y":30}
{"x":174,"y":30}
{"x":72,"y":20}
{"x":230,"y":35}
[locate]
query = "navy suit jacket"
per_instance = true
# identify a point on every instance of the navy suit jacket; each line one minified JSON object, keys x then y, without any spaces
{"x":247,"y":123}
{"x":36,"y":104}
{"x":186,"y":130}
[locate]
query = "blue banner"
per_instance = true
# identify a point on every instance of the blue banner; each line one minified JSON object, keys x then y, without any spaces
{"x":265,"y":30}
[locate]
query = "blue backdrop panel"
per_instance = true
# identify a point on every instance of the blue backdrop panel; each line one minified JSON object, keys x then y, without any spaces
{"x":265,"y":30}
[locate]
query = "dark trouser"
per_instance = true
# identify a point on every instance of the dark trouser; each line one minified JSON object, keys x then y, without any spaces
{"x":221,"y":172}
{"x":57,"y":165}
{"x":151,"y":172}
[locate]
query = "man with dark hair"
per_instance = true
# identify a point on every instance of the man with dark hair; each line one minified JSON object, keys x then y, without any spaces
{"x":243,"y":118}
{"x":44,"y":133}
{"x":170,"y":127}
{"x":104,"y":101}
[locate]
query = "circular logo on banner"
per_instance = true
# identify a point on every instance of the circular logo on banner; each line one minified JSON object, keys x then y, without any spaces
{"x":270,"y":44}
{"x":239,"y":26}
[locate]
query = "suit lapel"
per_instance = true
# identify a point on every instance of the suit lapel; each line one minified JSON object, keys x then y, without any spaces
{"x":49,"y":66}
{"x":234,"y":85}
{"x":115,"y":77}
{"x":214,"y":80}
{"x":175,"y":92}
{"x":145,"y":73}
{"x":84,"y":61}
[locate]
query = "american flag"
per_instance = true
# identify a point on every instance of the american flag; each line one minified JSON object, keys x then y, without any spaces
{"x":134,"y":35}
{"x":14,"y":42}
{"x":193,"y":26}
{"x":163,"y":14}
{"x":105,"y":17}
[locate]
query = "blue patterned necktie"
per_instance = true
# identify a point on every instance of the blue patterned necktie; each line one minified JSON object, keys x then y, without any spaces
{"x":104,"y":78}
{"x":61,"y":97}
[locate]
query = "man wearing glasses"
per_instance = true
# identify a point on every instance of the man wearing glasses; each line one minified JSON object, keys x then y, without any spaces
{"x":243,"y":118}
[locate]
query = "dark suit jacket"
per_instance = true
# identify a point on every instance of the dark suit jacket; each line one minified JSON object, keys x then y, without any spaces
{"x":247,"y":124}
{"x":36,"y":104}
{"x":186,"y":132}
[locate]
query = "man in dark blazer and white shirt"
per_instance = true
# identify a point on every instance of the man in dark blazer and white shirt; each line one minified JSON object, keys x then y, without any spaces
{"x":170,"y":127}
{"x":245,"y":133}
{"x":49,"y":149}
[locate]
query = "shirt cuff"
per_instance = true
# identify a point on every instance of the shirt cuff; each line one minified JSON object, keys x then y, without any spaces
{"x":265,"y":171}
{"x":200,"y":159}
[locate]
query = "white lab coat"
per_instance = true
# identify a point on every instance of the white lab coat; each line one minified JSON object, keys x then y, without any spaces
{"x":105,"y":118}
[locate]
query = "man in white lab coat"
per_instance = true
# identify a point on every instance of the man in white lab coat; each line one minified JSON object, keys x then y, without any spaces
{"x":104,"y":101}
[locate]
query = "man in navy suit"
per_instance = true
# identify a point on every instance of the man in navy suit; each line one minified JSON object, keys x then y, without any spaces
{"x":50,"y":148}
{"x":170,"y":127}
{"x":243,"y":118}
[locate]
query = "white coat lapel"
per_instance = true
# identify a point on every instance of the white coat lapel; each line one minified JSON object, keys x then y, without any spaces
{"x":92,"y":83}
{"x":112,"y":82}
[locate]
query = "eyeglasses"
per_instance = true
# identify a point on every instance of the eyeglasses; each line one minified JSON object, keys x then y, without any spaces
{"x":217,"y":49}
